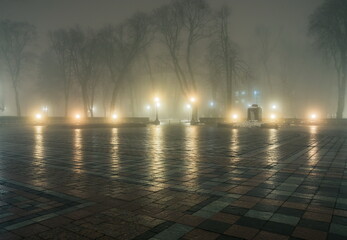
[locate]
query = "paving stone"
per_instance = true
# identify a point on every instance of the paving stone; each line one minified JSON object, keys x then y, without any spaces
{"x":172,"y":182}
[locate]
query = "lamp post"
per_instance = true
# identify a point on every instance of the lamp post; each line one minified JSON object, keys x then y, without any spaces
{"x":189,"y":107}
{"x":194,"y":119}
{"x":157,"y":104}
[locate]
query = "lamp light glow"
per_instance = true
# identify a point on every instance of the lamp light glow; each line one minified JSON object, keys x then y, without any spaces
{"x":234,"y":116}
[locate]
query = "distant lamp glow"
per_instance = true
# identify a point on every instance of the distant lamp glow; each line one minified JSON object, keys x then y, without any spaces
{"x":273,"y":116}
{"x":313,"y":116}
{"x":211,"y":104}
{"x":114,"y":117}
{"x":148,"y":107}
{"x":188,"y":106}
{"x":38,"y":116}
{"x":157,"y":105}
{"x":193,"y":99}
{"x":255,"y":92}
{"x":234,"y":116}
{"x":274,"y":107}
{"x":77,"y":116}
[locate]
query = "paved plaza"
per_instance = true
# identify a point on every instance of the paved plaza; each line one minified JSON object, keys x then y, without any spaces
{"x":173,"y":182}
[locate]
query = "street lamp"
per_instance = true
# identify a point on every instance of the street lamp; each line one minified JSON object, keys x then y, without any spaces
{"x":273,"y":117}
{"x":235,"y":117}
{"x":157,"y":105}
{"x":189,"y":107}
{"x":194,"y":111}
{"x":78,"y":117}
{"x":114,"y":117}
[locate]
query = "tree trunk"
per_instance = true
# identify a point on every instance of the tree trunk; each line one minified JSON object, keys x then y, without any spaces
{"x":66,"y":111}
{"x":16,"y":94}
{"x":195,"y":118}
{"x":85,"y":101}
{"x":113,"y":99}
{"x":341,"y":94}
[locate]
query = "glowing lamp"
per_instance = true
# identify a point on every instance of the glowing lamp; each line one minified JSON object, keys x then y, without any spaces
{"x":273,"y":116}
{"x":77,"y":116}
{"x":38,"y":116}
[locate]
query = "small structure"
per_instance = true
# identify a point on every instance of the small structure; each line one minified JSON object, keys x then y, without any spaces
{"x":254,"y":113}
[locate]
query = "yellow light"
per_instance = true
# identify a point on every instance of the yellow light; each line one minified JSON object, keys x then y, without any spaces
{"x":38,"y":116}
{"x":189,"y":106}
{"x":235,"y":116}
{"x":77,"y":116}
{"x":273,"y":116}
{"x":114,"y":116}
{"x":192,"y":99}
{"x":156,"y":99}
{"x":158,"y":104}
{"x":313,"y":116}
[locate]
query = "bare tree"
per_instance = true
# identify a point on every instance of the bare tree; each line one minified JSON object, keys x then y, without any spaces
{"x":183,"y":23}
{"x":328,"y":26}
{"x":122,"y":45}
{"x":226,"y":55}
{"x":86,"y":64}
{"x":15,"y":38}
{"x":49,"y":79}
{"x":62,"y":46}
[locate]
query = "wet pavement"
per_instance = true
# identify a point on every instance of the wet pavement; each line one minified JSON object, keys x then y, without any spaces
{"x":173,"y":182}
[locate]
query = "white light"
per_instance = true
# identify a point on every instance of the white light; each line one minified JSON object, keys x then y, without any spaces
{"x":235,"y":116}
{"x":38,"y":116}
{"x":243,"y":93}
{"x":274,"y":107}
{"x":188,"y":106}
{"x":273,"y":116}
{"x":77,"y":116}
{"x":211,"y":104}
{"x":313,"y":116}
{"x":255,"y":92}
{"x":156,"y":99}
{"x":114,"y":116}
{"x":148,"y":107}
{"x":192,"y":99}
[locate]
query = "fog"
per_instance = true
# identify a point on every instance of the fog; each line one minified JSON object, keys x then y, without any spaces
{"x":273,"y":61}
